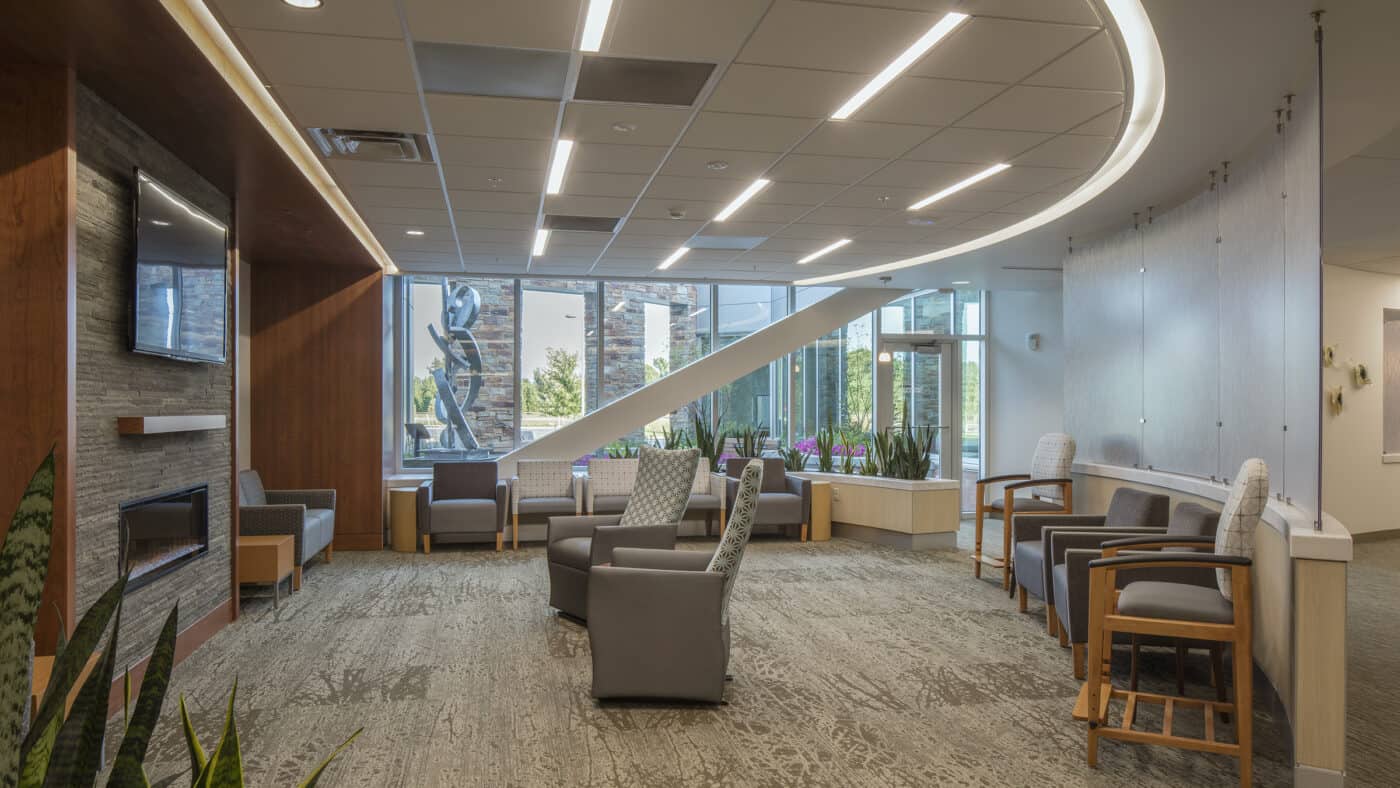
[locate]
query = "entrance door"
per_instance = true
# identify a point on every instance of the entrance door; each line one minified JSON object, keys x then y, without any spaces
{"x":916,"y":377}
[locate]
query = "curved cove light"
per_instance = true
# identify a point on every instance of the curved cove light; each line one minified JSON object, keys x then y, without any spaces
{"x":1149,"y":97}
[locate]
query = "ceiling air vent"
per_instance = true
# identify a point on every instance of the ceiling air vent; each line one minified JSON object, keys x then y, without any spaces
{"x":631,"y":81}
{"x":363,"y":145}
{"x":587,"y":224}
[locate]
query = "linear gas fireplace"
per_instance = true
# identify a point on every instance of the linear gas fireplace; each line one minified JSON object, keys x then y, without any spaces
{"x":161,"y":533}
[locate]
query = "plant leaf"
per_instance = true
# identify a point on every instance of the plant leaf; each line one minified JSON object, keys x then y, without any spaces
{"x":225,"y":768}
{"x":310,"y":781}
{"x":36,"y":760}
{"x":77,"y":753}
{"x":74,"y":658}
{"x":24,"y":563}
{"x":127,"y":769}
{"x":197,"y":759}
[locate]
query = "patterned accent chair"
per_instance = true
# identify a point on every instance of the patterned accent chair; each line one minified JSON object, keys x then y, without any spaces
{"x":608,"y":484}
{"x":463,"y":499}
{"x":659,"y":623}
{"x":543,"y":487}
{"x":653,"y":511}
{"x":1048,"y":488}
{"x":707,"y":496}
{"x":784,"y":501}
{"x":308,"y":516}
{"x":1220,"y":614}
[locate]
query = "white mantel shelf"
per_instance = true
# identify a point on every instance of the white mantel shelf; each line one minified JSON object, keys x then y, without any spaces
{"x":157,"y":425}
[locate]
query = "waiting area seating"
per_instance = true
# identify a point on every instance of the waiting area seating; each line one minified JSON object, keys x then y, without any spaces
{"x":541,"y":488}
{"x":463,"y":499}
{"x":783,"y":501}
{"x":707,"y":497}
{"x":1048,"y":488}
{"x":308,"y":516}
{"x":608,"y":484}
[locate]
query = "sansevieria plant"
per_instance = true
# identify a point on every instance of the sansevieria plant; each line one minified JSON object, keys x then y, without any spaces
{"x":62,"y":748}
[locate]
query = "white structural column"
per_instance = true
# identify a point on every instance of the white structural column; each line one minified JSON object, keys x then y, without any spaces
{"x":689,"y":383}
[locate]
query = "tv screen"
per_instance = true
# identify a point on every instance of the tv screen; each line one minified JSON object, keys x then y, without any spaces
{"x":180,"y":286}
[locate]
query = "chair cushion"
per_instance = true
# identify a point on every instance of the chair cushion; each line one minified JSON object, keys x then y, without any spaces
{"x":1193,"y":519}
{"x":547,"y":505}
{"x":774,"y":472}
{"x":702,"y":478}
{"x":611,"y":477}
{"x":462,"y":515}
{"x":573,"y":551}
{"x":1240,"y":515}
{"x":778,"y":508}
{"x":544,"y":479}
{"x":1026,"y":506}
{"x":318,"y":530}
{"x":664,"y":478}
{"x":609,"y":503}
{"x":476,"y":479}
{"x":700,"y":502}
{"x":250,"y":489}
{"x":1131,"y":508}
{"x":1176,"y":601}
{"x":1030,"y":567}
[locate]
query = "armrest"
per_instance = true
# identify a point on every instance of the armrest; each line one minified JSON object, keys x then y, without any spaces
{"x":587,"y":495}
{"x":423,"y":500}
{"x":569,"y":526}
{"x":502,"y":504}
{"x":1150,"y":559}
{"x":802,"y":487}
{"x":719,"y":488}
{"x":676,"y":560}
{"x":311,"y":499}
{"x":578,"y":494}
{"x":731,"y":488}
{"x":1005,"y":477}
{"x":285,"y":519}
{"x":1038,"y":483}
{"x":1029,"y":526}
{"x":515,"y":495}
{"x":1112,"y":547}
{"x":606,"y":537}
{"x":1057,"y":540}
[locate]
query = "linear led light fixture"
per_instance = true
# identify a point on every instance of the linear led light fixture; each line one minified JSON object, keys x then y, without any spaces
{"x":825,"y":250}
{"x":541,"y":242}
{"x":557,"y":167}
{"x":960,"y":185}
{"x":744,"y":196}
{"x":899,"y":65}
{"x":674,"y":256}
{"x":1149,"y":79}
{"x":595,"y":24}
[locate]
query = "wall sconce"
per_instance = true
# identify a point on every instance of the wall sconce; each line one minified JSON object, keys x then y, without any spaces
{"x":884,"y":357}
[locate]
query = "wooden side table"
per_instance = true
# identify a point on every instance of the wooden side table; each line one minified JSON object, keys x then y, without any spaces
{"x":403,"y":519}
{"x":265,"y":560}
{"x":821,"y":511}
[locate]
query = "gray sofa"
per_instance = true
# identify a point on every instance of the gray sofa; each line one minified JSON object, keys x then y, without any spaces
{"x":784,"y":501}
{"x":462,"y":501}
{"x":308,"y":516}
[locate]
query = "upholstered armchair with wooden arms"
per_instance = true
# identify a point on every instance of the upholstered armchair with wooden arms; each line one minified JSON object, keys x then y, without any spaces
{"x":1047,"y":489}
{"x":785,"y":501}
{"x":308,"y":516}
{"x":462,"y":501}
{"x":1221,"y":614}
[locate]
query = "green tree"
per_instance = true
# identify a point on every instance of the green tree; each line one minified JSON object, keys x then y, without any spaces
{"x":424,"y":392}
{"x":860,"y":392}
{"x":656,"y":370}
{"x":556,"y":389}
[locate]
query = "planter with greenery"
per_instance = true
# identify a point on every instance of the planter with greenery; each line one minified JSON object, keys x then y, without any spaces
{"x":708,"y":439}
{"x":750,"y":440}
{"x":795,"y":459}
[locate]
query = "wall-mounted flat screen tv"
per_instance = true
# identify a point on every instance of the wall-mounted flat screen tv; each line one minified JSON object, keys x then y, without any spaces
{"x":180,"y":282}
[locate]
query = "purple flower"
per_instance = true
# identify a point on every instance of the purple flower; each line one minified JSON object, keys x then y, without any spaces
{"x":806,"y":445}
{"x":857,"y":450}
{"x":727,"y":456}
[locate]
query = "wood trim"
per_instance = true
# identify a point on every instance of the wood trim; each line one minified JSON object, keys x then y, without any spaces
{"x":189,"y":639}
{"x":235,"y":380}
{"x":1320,"y":674}
{"x":38,"y":276}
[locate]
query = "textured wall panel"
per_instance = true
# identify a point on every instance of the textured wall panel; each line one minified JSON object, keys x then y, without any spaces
{"x":1181,"y":377}
{"x":1103,"y":349}
{"x":1251,"y":314}
{"x":1302,"y":336}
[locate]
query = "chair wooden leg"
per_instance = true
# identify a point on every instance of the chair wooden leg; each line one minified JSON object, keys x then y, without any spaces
{"x":296,"y":579}
{"x":1180,"y":668}
{"x":1052,"y":621}
{"x":500,"y":539}
{"x":1021,"y":601}
{"x":515,"y":532}
{"x":722,"y":523}
{"x":330,"y":550}
{"x":1133,"y":666}
{"x":427,"y":545}
{"x":1242,"y":659}
{"x":1063,"y":635}
{"x":1217,"y":677}
{"x":804,"y":532}
{"x":1077,"y":650}
{"x":977,"y":539}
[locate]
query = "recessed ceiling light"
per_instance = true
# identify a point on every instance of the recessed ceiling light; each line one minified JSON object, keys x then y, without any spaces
{"x":559,"y":166}
{"x":674,"y":256}
{"x":595,"y":24}
{"x":909,"y":57}
{"x":825,"y":250}
{"x":619,"y":305}
{"x":414,"y":233}
{"x":717,"y":164}
{"x":962,"y":282}
{"x":541,"y":242}
{"x":622,"y":127}
{"x":303,"y":3}
{"x":920,"y":221}
{"x":959,"y":186}
{"x":744,"y":196}
{"x":494,"y":181}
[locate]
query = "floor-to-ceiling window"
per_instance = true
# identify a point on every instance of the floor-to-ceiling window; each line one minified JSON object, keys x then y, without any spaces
{"x":558,"y":351}
{"x":757,"y":399}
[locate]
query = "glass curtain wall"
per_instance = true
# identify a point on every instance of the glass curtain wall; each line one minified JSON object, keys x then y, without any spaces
{"x":558,"y":349}
{"x":759,"y":398}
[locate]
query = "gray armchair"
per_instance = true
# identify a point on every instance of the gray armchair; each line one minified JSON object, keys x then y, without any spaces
{"x":308,"y":516}
{"x":784,"y":501}
{"x":462,"y":500}
{"x":707,"y":497}
{"x":1070,"y":552}
{"x":1128,"y":508}
{"x":659,"y":621}
{"x":654,"y":509}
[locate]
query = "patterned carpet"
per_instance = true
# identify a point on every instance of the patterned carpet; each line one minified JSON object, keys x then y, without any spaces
{"x":854,"y":665}
{"x":1373,"y":662}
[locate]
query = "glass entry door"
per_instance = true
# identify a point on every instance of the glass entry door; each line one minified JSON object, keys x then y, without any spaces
{"x":917,"y":376}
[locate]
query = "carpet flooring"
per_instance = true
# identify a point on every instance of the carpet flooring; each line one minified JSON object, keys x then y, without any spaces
{"x":855,"y":665}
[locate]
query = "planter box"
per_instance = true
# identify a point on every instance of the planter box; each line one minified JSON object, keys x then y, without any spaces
{"x":925,"y":506}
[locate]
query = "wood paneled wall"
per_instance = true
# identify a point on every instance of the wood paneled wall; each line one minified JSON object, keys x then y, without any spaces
{"x":38,"y":282}
{"x":316,"y":372}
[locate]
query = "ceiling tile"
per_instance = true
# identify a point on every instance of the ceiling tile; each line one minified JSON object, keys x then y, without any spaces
{"x":694,"y":162}
{"x":1025,"y":179}
{"x":973,"y":200}
{"x":493,"y":249}
{"x":623,"y":159}
{"x":414,"y":175}
{"x":352,"y":109}
{"x":906,"y":235}
{"x":991,"y":221}
{"x":711,"y":31}
{"x":824,"y":169}
{"x":738,"y":229}
{"x":394,"y":197}
{"x":1034,"y":203}
{"x":1067,"y":186}
{"x":720,"y":190}
{"x":928,"y":175}
{"x":415,"y":217}
{"x":1069,"y":150}
{"x":791,"y":193}
{"x":1052,"y":110}
{"x":433,"y":239}
{"x":493,"y":179}
{"x":488,"y":116}
{"x":590,"y":122}
{"x":840,"y":215}
{"x":504,"y":202}
{"x":806,"y":233}
{"x":833,"y":37}
{"x":976,"y":146}
{"x":782,"y":91}
{"x":490,"y":151}
{"x":1076,"y":12}
{"x":860,"y":138}
{"x":477,"y":235}
{"x":570,"y":205}
{"x":745,"y":132}
{"x":999,"y":50}
{"x":870,"y":197}
{"x":668,"y":228}
{"x":602,"y":184}
{"x":1093,"y":65}
{"x":376,"y":64}
{"x":1105,"y":125}
{"x":524,"y":24}
{"x":489,"y":220}
{"x":367,"y":18}
{"x":927,"y":102}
